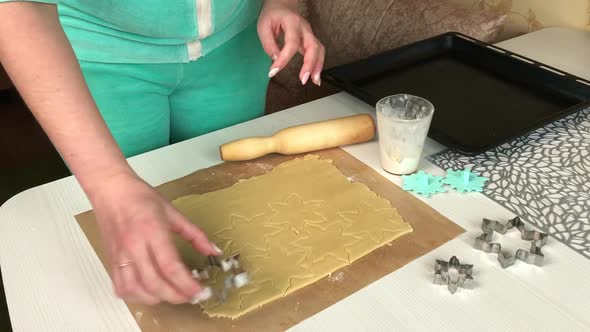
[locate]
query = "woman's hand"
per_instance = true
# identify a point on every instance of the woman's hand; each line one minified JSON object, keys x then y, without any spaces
{"x":135,"y":222}
{"x":134,"y":219}
{"x":281,"y":17}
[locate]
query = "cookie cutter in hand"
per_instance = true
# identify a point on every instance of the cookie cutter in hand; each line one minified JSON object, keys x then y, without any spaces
{"x":463,"y":277}
{"x":236,"y":276}
{"x":532,"y":256}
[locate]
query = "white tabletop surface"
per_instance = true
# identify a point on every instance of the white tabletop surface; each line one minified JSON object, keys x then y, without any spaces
{"x":55,"y":282}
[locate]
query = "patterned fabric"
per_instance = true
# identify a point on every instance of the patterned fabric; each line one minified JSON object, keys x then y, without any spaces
{"x":531,"y":15}
{"x":544,"y":178}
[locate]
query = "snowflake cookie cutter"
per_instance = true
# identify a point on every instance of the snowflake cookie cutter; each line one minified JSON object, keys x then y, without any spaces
{"x":236,"y":276}
{"x":464,"y":180}
{"x":453,"y":274}
{"x":423,"y":184}
{"x":532,"y":256}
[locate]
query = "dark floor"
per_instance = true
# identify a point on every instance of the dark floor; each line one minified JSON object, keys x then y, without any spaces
{"x":27,"y":159}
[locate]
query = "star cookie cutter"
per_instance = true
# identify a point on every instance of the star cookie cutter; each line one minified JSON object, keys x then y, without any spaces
{"x":532,"y":256}
{"x":464,"y":180}
{"x":236,"y":276}
{"x":453,"y":274}
{"x":423,"y":184}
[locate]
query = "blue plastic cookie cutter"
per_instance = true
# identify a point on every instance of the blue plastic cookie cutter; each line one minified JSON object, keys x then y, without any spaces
{"x":423,"y":184}
{"x":464,"y":180}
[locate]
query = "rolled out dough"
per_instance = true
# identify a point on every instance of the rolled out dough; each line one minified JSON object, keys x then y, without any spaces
{"x":292,"y":226}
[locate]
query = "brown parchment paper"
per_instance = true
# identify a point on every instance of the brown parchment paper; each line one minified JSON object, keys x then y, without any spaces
{"x":431,"y":230}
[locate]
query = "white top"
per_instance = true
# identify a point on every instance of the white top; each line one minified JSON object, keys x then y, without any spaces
{"x":55,"y":282}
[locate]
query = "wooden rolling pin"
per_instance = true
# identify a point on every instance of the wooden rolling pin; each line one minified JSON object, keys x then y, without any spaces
{"x":303,"y":138}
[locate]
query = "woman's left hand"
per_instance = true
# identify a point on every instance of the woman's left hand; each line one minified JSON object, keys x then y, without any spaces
{"x":281,"y":17}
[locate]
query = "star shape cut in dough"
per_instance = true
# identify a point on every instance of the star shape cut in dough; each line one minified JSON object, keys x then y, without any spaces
{"x":265,"y":292}
{"x":256,"y":292}
{"x":370,"y":223}
{"x":280,"y":262}
{"x":296,"y":213}
{"x":284,"y":238}
{"x":320,"y":243}
{"x":255,"y":231}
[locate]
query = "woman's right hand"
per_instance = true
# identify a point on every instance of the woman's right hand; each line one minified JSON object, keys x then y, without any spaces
{"x":135,"y":222}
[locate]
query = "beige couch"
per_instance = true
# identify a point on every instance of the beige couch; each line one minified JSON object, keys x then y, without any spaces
{"x":530,"y":15}
{"x":354,"y":29}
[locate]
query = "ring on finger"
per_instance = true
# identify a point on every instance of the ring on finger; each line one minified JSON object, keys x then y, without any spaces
{"x":125,"y":264}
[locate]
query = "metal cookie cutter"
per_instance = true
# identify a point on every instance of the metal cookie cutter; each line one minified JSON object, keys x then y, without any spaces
{"x":462,"y":276}
{"x":236,"y":276}
{"x":532,"y":256}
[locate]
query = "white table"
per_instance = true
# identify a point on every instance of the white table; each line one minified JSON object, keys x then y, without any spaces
{"x":55,"y":282}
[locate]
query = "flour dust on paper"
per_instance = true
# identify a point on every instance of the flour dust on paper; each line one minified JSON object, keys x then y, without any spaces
{"x":294,"y":225}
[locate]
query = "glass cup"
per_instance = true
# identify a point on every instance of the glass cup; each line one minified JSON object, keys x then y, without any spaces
{"x":402,"y":122}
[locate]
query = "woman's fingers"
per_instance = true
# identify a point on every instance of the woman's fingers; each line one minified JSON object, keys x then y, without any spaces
{"x":313,"y":54}
{"x":152,"y":281}
{"x":191,"y":233}
{"x":282,"y":17}
{"x":299,"y":38}
{"x":124,"y":272}
{"x":292,"y":44}
{"x":172,"y":270}
{"x":135,"y":222}
{"x":128,"y":287}
{"x":268,"y":38}
{"x":154,"y":273}
{"x":319,"y":66}
{"x":140,"y":280}
{"x":309,"y":60}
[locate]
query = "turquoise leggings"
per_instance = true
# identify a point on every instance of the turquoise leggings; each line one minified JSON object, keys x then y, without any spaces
{"x":148,"y":106}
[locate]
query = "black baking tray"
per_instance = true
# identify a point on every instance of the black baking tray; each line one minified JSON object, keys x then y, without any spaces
{"x":483,"y":95}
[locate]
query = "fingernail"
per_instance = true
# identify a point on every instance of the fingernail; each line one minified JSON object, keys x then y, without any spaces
{"x":216,"y":249}
{"x":273,"y":72}
{"x":203,"y":295}
{"x":317,"y":79}
{"x":305,"y":78}
{"x":226,"y":265}
{"x":275,"y":57}
{"x":241,"y":280}
{"x":200,"y":274}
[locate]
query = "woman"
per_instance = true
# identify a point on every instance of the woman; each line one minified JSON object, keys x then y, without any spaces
{"x":159,"y":72}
